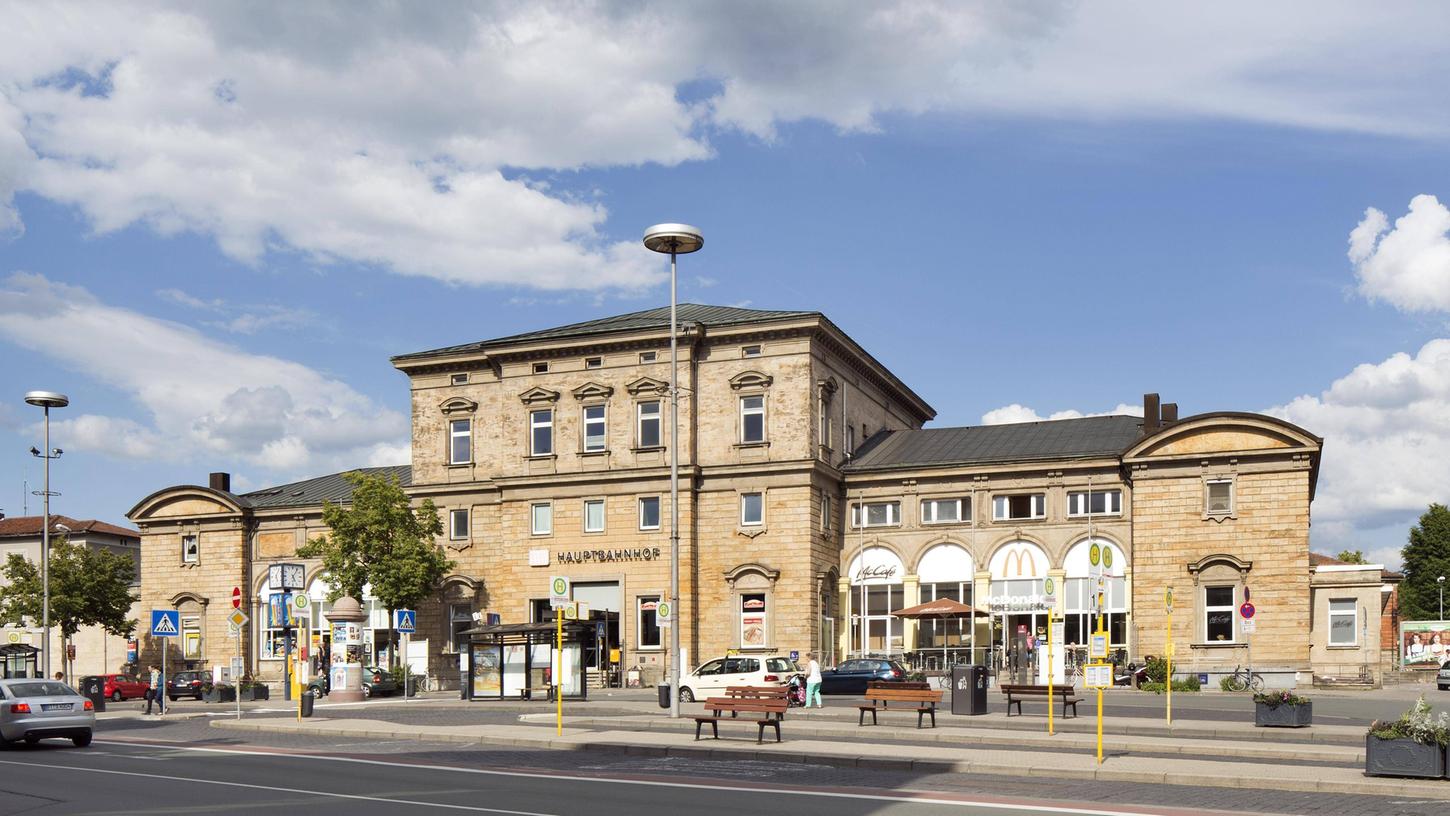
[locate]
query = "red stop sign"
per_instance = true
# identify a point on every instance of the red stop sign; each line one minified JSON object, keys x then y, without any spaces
{"x":236,"y":597}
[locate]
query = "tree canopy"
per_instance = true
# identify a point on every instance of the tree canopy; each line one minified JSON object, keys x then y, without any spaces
{"x":1352,"y":556}
{"x":1426,"y":557}
{"x":380,"y":539}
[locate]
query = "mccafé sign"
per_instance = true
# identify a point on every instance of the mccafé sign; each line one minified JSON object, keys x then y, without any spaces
{"x":1019,"y":603}
{"x":879,"y":573}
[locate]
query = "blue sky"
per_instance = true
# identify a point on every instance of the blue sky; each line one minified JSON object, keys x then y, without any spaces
{"x":217,"y":232}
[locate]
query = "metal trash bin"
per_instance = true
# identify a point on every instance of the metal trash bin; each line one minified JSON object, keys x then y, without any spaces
{"x":94,"y":689}
{"x":307,"y":699}
{"x":969,"y":690}
{"x":664,"y":689}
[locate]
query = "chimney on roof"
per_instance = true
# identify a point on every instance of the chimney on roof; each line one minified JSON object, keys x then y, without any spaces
{"x":220,"y":481}
{"x":1151,"y":417}
{"x":1170,"y":412}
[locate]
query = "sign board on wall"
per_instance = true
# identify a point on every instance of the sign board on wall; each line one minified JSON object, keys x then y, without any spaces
{"x":1423,"y":644}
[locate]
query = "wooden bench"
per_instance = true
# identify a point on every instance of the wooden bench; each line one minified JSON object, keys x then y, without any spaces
{"x":767,"y":713}
{"x":924,"y":699}
{"x":527,"y":693}
{"x":756,"y":693}
{"x":914,"y":685}
{"x":1017,"y":692}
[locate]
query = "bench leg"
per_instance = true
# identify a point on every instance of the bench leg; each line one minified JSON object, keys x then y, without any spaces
{"x":698,"y":723}
{"x":715,"y":729}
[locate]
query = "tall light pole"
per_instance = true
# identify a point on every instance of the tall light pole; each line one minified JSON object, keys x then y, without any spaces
{"x":1441,"y":582}
{"x":46,"y":400}
{"x":676,"y":239}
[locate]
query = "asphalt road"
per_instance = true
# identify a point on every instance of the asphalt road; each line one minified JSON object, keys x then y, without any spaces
{"x":180,"y":767}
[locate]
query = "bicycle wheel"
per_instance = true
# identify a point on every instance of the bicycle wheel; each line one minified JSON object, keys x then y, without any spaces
{"x":1256,"y":683}
{"x":1236,"y":682}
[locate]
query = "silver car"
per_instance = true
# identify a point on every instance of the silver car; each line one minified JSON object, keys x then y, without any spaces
{"x":36,"y":709}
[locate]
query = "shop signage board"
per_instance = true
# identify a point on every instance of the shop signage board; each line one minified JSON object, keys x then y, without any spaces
{"x":1098,"y":675}
{"x":558,"y":591}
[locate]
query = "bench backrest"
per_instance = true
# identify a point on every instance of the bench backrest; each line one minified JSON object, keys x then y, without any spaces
{"x":905,"y":695}
{"x":918,"y":685}
{"x":1025,"y":689}
{"x":756,"y":692}
{"x":768,"y":706}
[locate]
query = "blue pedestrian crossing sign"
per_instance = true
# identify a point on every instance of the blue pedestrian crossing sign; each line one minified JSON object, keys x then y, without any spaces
{"x":165,"y":623}
{"x":405,"y":620}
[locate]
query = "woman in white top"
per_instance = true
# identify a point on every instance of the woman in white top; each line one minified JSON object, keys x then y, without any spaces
{"x":813,"y":681}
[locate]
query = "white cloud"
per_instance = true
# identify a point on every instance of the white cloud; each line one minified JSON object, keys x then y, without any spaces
{"x":249,"y":319}
{"x":1009,"y":414}
{"x":420,"y":138}
{"x":206,"y":401}
{"x":1409,"y":265}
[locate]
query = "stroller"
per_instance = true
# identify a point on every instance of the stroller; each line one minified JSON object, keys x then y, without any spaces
{"x":795,"y":691}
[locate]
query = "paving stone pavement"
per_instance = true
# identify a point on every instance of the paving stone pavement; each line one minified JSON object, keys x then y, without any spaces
{"x":198,"y":733}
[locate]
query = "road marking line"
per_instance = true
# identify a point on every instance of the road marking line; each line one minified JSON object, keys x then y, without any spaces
{"x":910,"y":798}
{"x":278,"y":789}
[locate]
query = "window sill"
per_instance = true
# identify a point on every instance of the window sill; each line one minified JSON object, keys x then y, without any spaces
{"x":1218,"y":644}
{"x":541,"y":457}
{"x":760,"y":444}
{"x":1342,"y":647}
{"x":1032,"y":520}
{"x":460,"y":464}
{"x":604,"y":452}
{"x":650,"y":529}
{"x":648,"y":649}
{"x":1075,"y":516}
{"x":648,"y":449}
{"x":1220,"y":517}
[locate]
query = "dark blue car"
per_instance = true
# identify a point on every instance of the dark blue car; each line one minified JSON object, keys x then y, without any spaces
{"x":851,"y":676}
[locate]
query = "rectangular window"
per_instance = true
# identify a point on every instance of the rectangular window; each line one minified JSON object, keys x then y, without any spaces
{"x":876,"y":514}
{"x":750,"y":351}
{"x":1218,"y":612}
{"x":648,"y":420}
{"x":594,"y":362}
{"x":1025,"y":506}
{"x":541,"y":518}
{"x":460,"y":620}
{"x":1219,"y":498}
{"x":649,"y":627}
{"x":1343,"y":620}
{"x":826,"y":511}
{"x":191,"y":638}
{"x":190,"y":549}
{"x":752,"y":419}
{"x":647,"y":356}
{"x":541,"y":432}
{"x":458,"y":524}
{"x":594,"y":428}
{"x":594,"y":516}
{"x":1097,"y":503}
{"x":460,"y":441}
{"x":458,"y":379}
{"x":541,"y":368}
{"x":754,"y":621}
{"x":825,"y":408}
{"x":649,"y":513}
{"x":945,"y":511}
{"x":850,"y":439}
{"x":752,"y":509}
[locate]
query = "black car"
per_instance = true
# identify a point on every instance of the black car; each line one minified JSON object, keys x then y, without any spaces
{"x":375,"y":680}
{"x":185,"y":684}
{"x":851,"y":676}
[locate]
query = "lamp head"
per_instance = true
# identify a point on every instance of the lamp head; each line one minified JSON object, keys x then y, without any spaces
{"x":1440,"y":580}
{"x":56,"y":451}
{"x":47,"y":399}
{"x":34,"y":451}
{"x":676,"y":239}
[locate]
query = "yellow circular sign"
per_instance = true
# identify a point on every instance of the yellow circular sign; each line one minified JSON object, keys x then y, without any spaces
{"x":1095,"y":554}
{"x":561,"y":586}
{"x":1108,"y":557}
{"x":1168,"y":598}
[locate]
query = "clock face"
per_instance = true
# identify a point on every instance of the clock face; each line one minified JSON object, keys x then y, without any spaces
{"x":286,"y":576}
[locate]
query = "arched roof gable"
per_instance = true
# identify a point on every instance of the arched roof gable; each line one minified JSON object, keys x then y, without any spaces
{"x":1277,"y":432}
{"x":147,"y":506}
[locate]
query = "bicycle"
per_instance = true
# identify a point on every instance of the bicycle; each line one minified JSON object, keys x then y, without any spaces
{"x":1242,"y":680}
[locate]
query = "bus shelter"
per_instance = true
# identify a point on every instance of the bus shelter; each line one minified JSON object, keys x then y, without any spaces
{"x":517,"y":660}
{"x":18,"y":660}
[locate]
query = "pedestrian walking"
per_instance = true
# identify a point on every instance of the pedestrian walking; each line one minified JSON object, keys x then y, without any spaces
{"x":154,"y":691}
{"x":813,"y":681}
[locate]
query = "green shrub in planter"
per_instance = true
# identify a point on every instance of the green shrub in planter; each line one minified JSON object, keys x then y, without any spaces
{"x":1413,"y":745}
{"x":1282,"y":709}
{"x":1184,"y":684}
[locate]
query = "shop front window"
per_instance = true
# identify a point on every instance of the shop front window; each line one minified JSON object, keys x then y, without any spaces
{"x":649,"y":626}
{"x":1218,"y":613}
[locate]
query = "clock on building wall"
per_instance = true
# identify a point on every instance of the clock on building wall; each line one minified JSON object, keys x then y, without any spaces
{"x":286,"y":576}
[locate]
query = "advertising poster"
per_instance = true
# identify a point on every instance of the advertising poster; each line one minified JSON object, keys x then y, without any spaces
{"x":1423,"y":644}
{"x":487,"y":672}
{"x":752,"y":621}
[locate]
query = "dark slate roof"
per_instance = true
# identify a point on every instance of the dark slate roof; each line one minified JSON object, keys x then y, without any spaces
{"x":648,"y":319}
{"x":1051,"y":439}
{"x":331,"y":487}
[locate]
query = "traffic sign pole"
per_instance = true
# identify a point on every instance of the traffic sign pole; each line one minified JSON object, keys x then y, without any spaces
{"x":1049,"y":671}
{"x":1168,"y":658}
{"x":559,"y":672}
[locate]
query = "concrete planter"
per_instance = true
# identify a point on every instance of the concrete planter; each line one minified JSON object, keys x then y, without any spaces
{"x":251,"y":693}
{"x":1402,"y":757}
{"x":220,"y":694}
{"x":1283,"y":715}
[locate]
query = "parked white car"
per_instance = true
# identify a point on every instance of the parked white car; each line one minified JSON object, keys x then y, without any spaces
{"x":714,"y":676}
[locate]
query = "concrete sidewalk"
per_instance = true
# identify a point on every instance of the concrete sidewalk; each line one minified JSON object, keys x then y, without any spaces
{"x":1306,"y":768}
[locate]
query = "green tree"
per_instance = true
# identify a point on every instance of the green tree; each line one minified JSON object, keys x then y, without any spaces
{"x":88,"y":587}
{"x":1352,"y":556}
{"x":380,"y":539}
{"x":1426,"y":557}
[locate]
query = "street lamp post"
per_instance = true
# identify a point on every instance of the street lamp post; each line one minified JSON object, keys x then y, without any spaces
{"x":1441,"y":582}
{"x":675,"y":239}
{"x":46,"y":400}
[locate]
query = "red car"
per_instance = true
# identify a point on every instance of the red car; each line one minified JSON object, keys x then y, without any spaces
{"x":125,"y":687}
